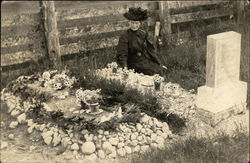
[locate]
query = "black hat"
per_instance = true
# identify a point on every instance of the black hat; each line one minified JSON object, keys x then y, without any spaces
{"x":136,"y":14}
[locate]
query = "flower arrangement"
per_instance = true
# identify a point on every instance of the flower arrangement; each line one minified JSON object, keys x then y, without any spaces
{"x":113,"y":66}
{"x":125,"y":73}
{"x":88,"y":96}
{"x":157,"y":81}
{"x":57,"y":81}
{"x":157,"y":78}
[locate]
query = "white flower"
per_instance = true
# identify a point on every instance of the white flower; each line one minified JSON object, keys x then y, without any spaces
{"x":57,"y":86}
{"x":46,"y":75}
{"x":112,"y":65}
{"x":157,"y":78}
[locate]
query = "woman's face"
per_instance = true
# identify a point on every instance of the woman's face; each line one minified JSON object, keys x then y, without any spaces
{"x":134,"y":25}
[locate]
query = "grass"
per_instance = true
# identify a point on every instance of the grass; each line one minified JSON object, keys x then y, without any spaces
{"x":218,"y":150}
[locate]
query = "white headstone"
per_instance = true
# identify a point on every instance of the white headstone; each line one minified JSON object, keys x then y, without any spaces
{"x":223,"y":89}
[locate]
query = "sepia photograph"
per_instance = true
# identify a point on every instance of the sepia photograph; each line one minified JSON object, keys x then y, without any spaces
{"x":125,"y":81}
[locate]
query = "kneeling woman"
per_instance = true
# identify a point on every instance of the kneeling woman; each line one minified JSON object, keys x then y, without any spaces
{"x":134,"y":50}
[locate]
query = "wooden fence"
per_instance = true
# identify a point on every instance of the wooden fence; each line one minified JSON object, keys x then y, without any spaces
{"x":84,"y":26}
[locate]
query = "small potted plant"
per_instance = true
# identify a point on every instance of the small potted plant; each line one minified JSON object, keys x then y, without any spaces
{"x":125,"y":74}
{"x":113,"y":66}
{"x":91,"y":98}
{"x":157,"y":81}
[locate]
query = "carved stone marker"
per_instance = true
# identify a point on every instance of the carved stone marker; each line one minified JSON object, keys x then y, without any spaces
{"x":224,"y":94}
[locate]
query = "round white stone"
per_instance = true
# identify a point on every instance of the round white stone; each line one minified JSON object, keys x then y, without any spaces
{"x":48,"y":140}
{"x":42,"y":127}
{"x":75,"y":147}
{"x":88,"y":148}
{"x":21,"y":118}
{"x":136,"y":148}
{"x":164,"y":135}
{"x":153,"y":137}
{"x":161,"y":146}
{"x":104,"y":138}
{"x":121,"y":152}
{"x":106,"y":133}
{"x":159,"y":133}
{"x":139,"y":138}
{"x":143,"y":131}
{"x":11,"y":136}
{"x":30,"y":129}
{"x":107,"y":147}
{"x":91,"y":157}
{"x":120,"y":145}
{"x":101,"y":154}
{"x":100,"y":132}
{"x":114,"y":141}
{"x":121,"y":139}
{"x":138,"y":127}
{"x":128,"y":149}
{"x":145,"y":119}
{"x":14,"y":113}
{"x":144,"y":148}
{"x":113,"y":154}
{"x":13,"y":124}
{"x":84,"y":132}
{"x":4,"y":145}
{"x":134,"y":143}
{"x":160,"y":140}
{"x":56,"y":139}
{"x":154,"y":145}
{"x":65,"y":141}
{"x":165,"y":129}
{"x":148,"y":140}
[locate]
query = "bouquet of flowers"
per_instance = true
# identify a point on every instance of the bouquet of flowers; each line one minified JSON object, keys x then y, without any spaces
{"x":113,"y":66}
{"x":157,"y":81}
{"x":125,"y":73}
{"x":57,"y":81}
{"x":157,"y":78}
{"x":88,"y":96}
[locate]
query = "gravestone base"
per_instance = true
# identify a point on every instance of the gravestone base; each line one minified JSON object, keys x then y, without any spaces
{"x":222,"y":97}
{"x":221,"y":102}
{"x":214,"y":118}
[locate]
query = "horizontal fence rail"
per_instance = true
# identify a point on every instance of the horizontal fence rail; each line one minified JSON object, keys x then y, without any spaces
{"x":85,"y":27}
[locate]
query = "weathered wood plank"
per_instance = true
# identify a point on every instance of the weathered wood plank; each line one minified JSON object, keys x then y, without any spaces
{"x":20,"y":66}
{"x":185,"y":4}
{"x":21,"y":56}
{"x":90,"y":20}
{"x":24,"y":47}
{"x":19,"y":7}
{"x":19,"y":30}
{"x":180,"y":18}
{"x":89,"y":9}
{"x":21,"y":40}
{"x":107,"y":19}
{"x":86,"y":38}
{"x":83,"y":54}
{"x":51,"y":33}
{"x":89,"y":45}
{"x":21,"y":19}
{"x":17,"y":48}
{"x":93,"y":29}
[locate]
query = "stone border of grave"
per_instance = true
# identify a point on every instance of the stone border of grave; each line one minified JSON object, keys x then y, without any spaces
{"x":128,"y":138}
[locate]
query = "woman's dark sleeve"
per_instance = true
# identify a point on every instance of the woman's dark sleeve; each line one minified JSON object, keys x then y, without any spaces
{"x":122,"y":51}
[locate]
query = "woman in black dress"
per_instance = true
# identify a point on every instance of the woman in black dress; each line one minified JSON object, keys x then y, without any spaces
{"x":134,"y":50}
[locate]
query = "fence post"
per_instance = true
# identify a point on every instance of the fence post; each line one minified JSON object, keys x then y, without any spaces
{"x":165,"y":19}
{"x":51,"y":33}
